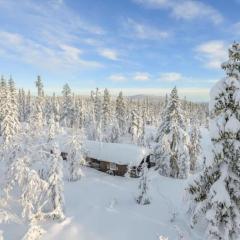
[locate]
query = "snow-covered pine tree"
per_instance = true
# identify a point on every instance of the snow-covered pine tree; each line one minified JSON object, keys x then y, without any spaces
{"x":76,"y":156}
{"x":114,"y":134}
{"x":97,"y":110}
{"x":56,"y":111}
{"x":141,"y":130}
{"x":3,"y":86}
{"x":106,"y":111}
{"x":21,"y":104}
{"x":51,"y":128}
{"x":33,"y":196}
{"x":143,"y":197}
{"x":215,"y":192}
{"x":27,"y":113}
{"x":171,"y":150}
{"x":23,"y":185}
{"x":135,"y":126}
{"x":10,"y":122}
{"x":14,"y":105}
{"x":55,"y":180}
{"x":121,"y":113}
{"x":48,"y":109}
{"x":194,"y":146}
{"x":37,"y":120}
{"x":37,"y":117}
{"x":78,"y":114}
{"x":39,"y":86}
{"x":66,"y":119}
{"x":34,"y":232}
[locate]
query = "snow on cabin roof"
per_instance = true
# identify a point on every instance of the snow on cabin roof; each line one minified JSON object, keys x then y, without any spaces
{"x":122,"y":154}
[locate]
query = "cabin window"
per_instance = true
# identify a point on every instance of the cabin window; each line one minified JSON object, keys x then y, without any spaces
{"x":113,"y":166}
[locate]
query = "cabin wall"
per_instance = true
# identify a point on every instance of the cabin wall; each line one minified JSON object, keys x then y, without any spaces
{"x":104,"y":166}
{"x":121,"y":170}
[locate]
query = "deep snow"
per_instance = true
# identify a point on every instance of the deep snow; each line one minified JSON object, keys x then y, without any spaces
{"x":102,"y":207}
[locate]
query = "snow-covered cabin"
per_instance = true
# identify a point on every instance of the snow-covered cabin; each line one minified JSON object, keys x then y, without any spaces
{"x":114,"y":158}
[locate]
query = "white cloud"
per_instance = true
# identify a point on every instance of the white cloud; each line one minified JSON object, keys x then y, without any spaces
{"x":28,"y":51}
{"x":171,"y":77}
{"x":118,"y":78}
{"x":194,"y":9}
{"x":144,"y":31}
{"x":109,"y":54}
{"x":141,"y":76}
{"x":212,"y":53}
{"x":51,"y":28}
{"x":185,"y":9}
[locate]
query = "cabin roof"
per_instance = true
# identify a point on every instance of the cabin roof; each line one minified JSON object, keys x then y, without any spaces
{"x":123,"y":154}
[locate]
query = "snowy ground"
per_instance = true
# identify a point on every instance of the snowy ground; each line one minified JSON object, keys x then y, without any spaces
{"x":102,"y":207}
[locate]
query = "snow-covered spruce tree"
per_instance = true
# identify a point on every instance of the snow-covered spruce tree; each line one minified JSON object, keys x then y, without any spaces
{"x":21,"y":105}
{"x":37,"y":117}
{"x":121,"y":113}
{"x":78,"y":114}
{"x":34,"y":232}
{"x":24,"y":186}
{"x":108,"y":130}
{"x":56,"y":111}
{"x":114,"y":134}
{"x":194,"y":146}
{"x":9,"y":123}
{"x":106,"y":110}
{"x":14,"y":105}
{"x":27,"y":113}
{"x":24,"y":189}
{"x":135,"y":126}
{"x":37,"y":120}
{"x":97,"y":111}
{"x":143,"y":197}
{"x":66,"y":119}
{"x":48,"y":109}
{"x":141,"y":131}
{"x":215,"y":193}
{"x":3,"y":86}
{"x":171,"y":150}
{"x":39,"y":86}
{"x":55,"y":180}
{"x":76,"y":156}
{"x":33,"y":197}
{"x":51,"y":127}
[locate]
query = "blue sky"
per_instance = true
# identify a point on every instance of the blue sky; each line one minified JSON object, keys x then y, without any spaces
{"x":139,"y":46}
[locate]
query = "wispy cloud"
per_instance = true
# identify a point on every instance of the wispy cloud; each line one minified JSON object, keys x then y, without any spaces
{"x":31,"y":52}
{"x":110,"y":54}
{"x":52,"y":35}
{"x":118,"y":78}
{"x":144,"y":31}
{"x":141,"y":76}
{"x":185,"y":9}
{"x":212,"y":53}
{"x":137,"y":76}
{"x":171,"y":77}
